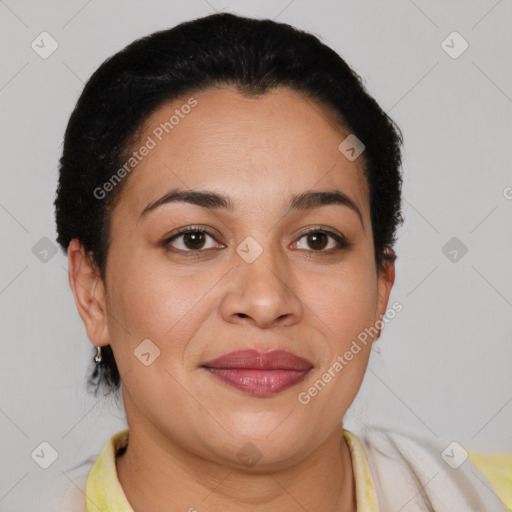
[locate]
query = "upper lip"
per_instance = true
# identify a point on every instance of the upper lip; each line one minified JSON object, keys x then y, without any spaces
{"x":255,"y":360}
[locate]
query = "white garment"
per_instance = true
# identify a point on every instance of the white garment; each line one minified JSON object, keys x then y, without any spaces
{"x":411,"y":476}
{"x":64,"y":494}
{"x":407,"y":470}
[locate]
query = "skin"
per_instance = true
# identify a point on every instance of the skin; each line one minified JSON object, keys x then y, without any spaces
{"x":186,"y":427}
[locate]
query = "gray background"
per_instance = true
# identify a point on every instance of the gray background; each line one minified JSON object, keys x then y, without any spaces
{"x":442,"y":365}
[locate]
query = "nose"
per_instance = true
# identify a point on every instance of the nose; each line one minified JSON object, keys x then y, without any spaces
{"x":262,"y":293}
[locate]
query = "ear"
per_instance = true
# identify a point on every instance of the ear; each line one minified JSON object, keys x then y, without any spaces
{"x":89,"y":292}
{"x":386,"y":279}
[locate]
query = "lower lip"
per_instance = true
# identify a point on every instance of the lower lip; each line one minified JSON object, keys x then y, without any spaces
{"x":259,"y":382}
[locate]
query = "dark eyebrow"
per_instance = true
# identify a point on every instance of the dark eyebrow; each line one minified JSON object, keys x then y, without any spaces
{"x":212,"y":200}
{"x":310,"y":200}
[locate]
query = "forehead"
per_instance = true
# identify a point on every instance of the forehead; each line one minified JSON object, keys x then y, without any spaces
{"x":253,"y":148}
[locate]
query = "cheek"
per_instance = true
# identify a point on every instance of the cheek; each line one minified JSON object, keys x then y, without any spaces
{"x":345,"y":307}
{"x":149,"y":302}
{"x":345,"y":302}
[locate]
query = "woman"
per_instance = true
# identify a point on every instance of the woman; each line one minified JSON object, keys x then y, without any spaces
{"x":228,"y":199}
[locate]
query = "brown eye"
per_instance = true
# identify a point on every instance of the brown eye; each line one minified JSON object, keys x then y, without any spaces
{"x":318,"y":240}
{"x":192,"y":240}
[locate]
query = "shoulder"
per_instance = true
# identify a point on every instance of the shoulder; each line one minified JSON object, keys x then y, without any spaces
{"x":428,"y":470}
{"x":65,"y":492}
{"x":68,"y":490}
{"x":497,"y":468}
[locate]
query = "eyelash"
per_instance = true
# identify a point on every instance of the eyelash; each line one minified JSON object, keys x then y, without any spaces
{"x":340,"y":239}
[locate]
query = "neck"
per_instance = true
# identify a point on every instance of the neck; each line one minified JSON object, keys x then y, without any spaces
{"x":158,"y":474}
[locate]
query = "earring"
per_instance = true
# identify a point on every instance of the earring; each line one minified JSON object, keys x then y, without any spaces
{"x":97,"y":357}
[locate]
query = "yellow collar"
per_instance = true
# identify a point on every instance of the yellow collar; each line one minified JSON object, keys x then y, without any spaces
{"x":104,"y":492}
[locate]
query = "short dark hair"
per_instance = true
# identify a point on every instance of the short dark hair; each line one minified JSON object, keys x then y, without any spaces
{"x":255,"y":56}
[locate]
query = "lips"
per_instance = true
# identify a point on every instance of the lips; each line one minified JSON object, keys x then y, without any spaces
{"x":255,"y":360}
{"x":259,"y":373}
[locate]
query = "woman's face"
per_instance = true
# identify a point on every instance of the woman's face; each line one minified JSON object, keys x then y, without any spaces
{"x":251,"y":279}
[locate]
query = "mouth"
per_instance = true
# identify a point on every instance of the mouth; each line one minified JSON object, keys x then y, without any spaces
{"x":259,"y":373}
